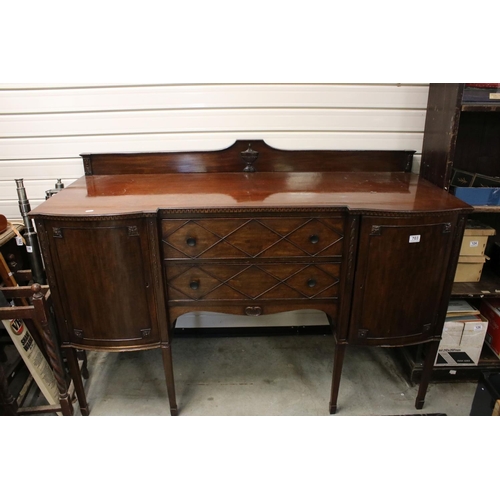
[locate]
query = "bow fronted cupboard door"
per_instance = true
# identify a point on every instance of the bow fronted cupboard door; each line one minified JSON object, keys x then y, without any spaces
{"x":106,"y":278}
{"x":401,"y":279}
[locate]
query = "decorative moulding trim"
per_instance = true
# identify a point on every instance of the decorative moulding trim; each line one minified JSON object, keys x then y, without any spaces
{"x":167,"y":212}
{"x":249,"y":211}
{"x":402,"y":214}
{"x":96,"y":218}
{"x":311,"y":210}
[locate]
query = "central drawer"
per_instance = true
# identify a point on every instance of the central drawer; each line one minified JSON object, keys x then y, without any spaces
{"x":263,"y":281}
{"x":265,"y":237}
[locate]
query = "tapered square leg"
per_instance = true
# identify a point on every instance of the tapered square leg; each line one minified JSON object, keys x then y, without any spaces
{"x":76,"y":375}
{"x":82,"y":355}
{"x":338,"y":361}
{"x":430,"y":356}
{"x":166,"y":352}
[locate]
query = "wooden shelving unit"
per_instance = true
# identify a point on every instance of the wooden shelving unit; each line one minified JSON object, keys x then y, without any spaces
{"x":411,"y":359}
{"x":488,"y":287}
{"x":465,"y":136}
{"x":481,"y":108}
{"x":493,"y":209}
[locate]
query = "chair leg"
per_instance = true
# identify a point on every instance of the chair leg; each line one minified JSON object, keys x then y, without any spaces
{"x":74,"y":370}
{"x":430,"y":356}
{"x":42,"y":315}
{"x":338,"y":361}
{"x":7,"y":400}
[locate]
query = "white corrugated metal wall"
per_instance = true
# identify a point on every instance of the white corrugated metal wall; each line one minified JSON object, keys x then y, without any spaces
{"x":44,"y":128}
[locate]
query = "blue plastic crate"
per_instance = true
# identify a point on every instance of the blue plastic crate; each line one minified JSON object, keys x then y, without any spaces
{"x":478,"y":196}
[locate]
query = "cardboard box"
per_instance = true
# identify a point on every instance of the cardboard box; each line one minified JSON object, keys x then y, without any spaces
{"x":474,"y":333}
{"x":452,"y":333}
{"x":472,"y":258}
{"x":462,"y":342}
{"x":469,"y":268}
{"x":475,"y":238}
{"x":490,"y":309}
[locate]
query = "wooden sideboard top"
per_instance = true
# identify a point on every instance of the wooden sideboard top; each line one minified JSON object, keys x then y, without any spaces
{"x":130,"y":183}
{"x":100,"y":195}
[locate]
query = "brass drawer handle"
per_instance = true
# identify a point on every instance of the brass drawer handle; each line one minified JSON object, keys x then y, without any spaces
{"x":194,"y":285}
{"x":253,"y":311}
{"x":314,"y":238}
{"x":191,"y":242}
{"x":311,"y":283}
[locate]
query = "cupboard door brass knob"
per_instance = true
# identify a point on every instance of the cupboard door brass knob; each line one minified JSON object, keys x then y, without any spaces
{"x":314,"y":238}
{"x":194,"y":285}
{"x":311,"y":283}
{"x":253,"y":311}
{"x":191,"y":242}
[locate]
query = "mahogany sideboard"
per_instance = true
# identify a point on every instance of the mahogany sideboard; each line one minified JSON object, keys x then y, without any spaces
{"x":144,"y":238}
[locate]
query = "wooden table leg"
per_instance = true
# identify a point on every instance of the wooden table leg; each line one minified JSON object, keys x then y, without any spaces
{"x":166,"y":352}
{"x":76,"y":375}
{"x":82,"y":356}
{"x":430,"y":357}
{"x":338,"y":361}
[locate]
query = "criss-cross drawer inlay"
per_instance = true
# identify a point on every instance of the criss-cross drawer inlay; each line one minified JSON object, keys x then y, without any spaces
{"x":251,"y":282}
{"x":252,"y":238}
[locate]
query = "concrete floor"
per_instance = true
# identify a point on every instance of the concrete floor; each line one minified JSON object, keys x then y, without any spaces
{"x":279,"y":375}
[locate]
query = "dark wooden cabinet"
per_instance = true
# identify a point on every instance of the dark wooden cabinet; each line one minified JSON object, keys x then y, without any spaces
{"x":145,"y":238}
{"x":108,"y":277}
{"x":399,"y":275}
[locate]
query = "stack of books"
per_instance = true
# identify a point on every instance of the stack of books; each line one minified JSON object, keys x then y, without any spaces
{"x":461,"y":310}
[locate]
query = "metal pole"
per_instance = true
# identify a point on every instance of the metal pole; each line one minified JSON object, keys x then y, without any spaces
{"x":32,"y":247}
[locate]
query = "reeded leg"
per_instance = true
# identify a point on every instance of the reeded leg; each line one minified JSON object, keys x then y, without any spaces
{"x":338,"y":361}
{"x":430,"y":356}
{"x":166,"y":352}
{"x":74,"y":370}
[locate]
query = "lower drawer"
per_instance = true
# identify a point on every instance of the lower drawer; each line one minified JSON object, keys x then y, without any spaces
{"x":263,"y":282}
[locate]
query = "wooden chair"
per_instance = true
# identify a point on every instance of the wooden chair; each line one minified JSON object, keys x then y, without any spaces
{"x":38,"y":310}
